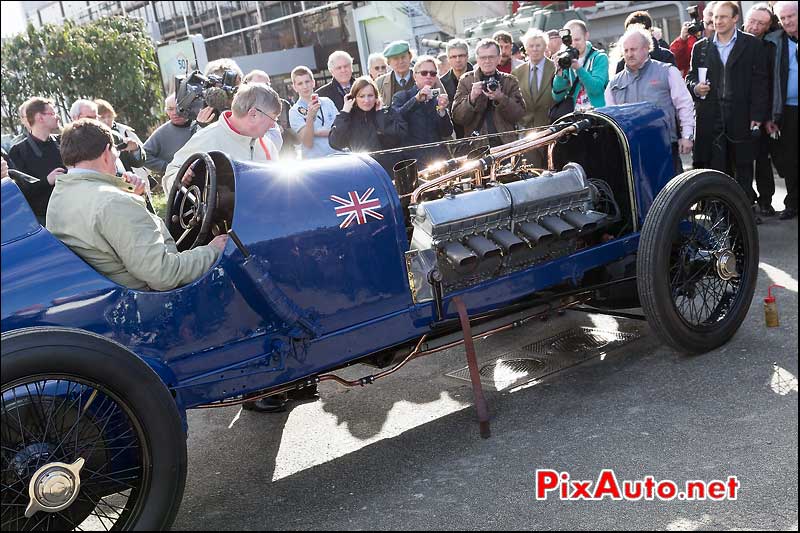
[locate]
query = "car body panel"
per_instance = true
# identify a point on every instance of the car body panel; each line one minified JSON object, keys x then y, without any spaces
{"x":217,"y":337}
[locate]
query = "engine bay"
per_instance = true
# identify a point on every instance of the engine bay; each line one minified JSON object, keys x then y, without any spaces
{"x":496,"y":215}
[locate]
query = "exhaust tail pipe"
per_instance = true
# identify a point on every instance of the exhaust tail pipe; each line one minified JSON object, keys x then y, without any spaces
{"x":483,"y":247}
{"x":405,"y":176}
{"x":535,"y":233}
{"x":558,"y":227}
{"x":509,"y":242}
{"x":583,"y":221}
{"x":460,"y":257}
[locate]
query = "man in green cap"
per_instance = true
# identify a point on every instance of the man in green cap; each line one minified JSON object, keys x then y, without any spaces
{"x":398,"y":56}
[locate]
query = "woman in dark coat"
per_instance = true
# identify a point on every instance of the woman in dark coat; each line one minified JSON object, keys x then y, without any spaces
{"x":363,"y":125}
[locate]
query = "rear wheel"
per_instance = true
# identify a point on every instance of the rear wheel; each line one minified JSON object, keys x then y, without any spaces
{"x":697,"y":263}
{"x":91,"y":438}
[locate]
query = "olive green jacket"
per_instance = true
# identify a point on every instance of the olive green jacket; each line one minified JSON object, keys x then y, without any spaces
{"x":112,"y":230}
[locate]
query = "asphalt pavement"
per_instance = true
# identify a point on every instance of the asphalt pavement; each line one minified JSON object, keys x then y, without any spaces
{"x":405,"y":453}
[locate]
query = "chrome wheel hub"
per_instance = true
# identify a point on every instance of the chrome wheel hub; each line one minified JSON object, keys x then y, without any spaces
{"x":726,"y":264}
{"x":54,"y":487}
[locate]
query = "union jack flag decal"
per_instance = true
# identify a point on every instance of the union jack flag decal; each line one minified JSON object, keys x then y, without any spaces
{"x":357,"y":208}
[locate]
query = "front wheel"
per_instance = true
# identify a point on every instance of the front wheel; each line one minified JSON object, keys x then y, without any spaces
{"x":697,"y":263}
{"x":91,"y":438}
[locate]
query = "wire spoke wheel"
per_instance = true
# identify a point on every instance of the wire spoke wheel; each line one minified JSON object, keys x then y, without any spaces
{"x":697,"y":263}
{"x":707,"y":263}
{"x":52,"y":420}
{"x":92,"y":439}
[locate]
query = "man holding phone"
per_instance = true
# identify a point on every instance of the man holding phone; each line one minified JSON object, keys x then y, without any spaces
{"x":312,"y":116}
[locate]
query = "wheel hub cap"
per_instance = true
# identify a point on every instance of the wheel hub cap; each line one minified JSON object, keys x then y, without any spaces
{"x":726,"y":264}
{"x":54,"y":487}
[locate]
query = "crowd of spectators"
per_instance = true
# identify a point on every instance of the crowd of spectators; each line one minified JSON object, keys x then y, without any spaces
{"x":729,"y":93}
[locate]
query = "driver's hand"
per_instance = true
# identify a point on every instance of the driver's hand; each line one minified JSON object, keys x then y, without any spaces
{"x":186,"y":180}
{"x":138,"y":183}
{"x":219,"y":242}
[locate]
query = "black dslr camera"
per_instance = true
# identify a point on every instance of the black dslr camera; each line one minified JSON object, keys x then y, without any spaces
{"x":696,"y":27}
{"x":196,"y":91}
{"x":492,"y":83}
{"x":565,"y":57}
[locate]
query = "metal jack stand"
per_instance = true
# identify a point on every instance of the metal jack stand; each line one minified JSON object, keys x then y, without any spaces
{"x":472,"y":362}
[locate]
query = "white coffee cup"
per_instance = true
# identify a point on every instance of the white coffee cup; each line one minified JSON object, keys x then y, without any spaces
{"x":702,"y":72}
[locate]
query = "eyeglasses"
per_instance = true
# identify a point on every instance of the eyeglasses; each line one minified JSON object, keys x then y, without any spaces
{"x":274,"y":119}
{"x":428,"y":73}
{"x":487,"y":58}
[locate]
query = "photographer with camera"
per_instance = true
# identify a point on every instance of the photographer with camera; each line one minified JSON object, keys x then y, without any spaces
{"x":488,"y":101}
{"x":312,"y":116}
{"x":226,"y":77}
{"x":241,"y":132}
{"x":581,"y":72}
{"x":691,"y":31}
{"x":728,"y":79}
{"x":424,"y":107}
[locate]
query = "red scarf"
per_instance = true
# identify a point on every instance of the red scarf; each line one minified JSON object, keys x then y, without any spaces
{"x":227,"y":114}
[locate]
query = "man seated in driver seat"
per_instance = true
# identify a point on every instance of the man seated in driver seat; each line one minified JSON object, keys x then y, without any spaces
{"x":109,"y":227}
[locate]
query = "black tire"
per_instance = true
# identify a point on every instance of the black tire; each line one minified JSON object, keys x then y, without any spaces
{"x":684,"y":280}
{"x":129,"y":412}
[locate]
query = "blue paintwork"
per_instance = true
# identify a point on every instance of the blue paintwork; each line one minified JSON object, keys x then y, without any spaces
{"x":646,"y":129}
{"x":215,"y":338}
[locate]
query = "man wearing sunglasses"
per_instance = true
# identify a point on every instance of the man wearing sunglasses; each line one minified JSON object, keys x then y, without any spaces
{"x":426,"y":113}
{"x":241,"y":132}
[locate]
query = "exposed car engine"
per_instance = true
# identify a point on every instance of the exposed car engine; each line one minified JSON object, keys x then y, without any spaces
{"x":464,"y":238}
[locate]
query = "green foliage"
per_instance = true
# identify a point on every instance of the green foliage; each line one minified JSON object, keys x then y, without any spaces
{"x":112,"y":58}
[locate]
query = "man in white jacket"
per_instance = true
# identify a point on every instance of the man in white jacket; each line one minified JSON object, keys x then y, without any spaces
{"x":240,"y":132}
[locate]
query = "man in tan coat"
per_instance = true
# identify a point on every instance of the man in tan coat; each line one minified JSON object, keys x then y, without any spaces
{"x":536,"y":83}
{"x":480,"y":108}
{"x":97,"y":217}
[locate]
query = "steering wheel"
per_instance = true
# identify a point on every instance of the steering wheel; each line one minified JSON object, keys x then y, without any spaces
{"x":191,"y":209}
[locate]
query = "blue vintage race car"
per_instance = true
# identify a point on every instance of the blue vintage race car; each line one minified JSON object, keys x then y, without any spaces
{"x":335,"y":262}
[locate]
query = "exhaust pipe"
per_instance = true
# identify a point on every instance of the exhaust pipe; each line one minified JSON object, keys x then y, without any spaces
{"x":509,"y":242}
{"x":405,"y":176}
{"x":583,"y":221}
{"x":535,"y":233}
{"x":558,"y":227}
{"x":483,"y":247}
{"x":460,"y":257}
